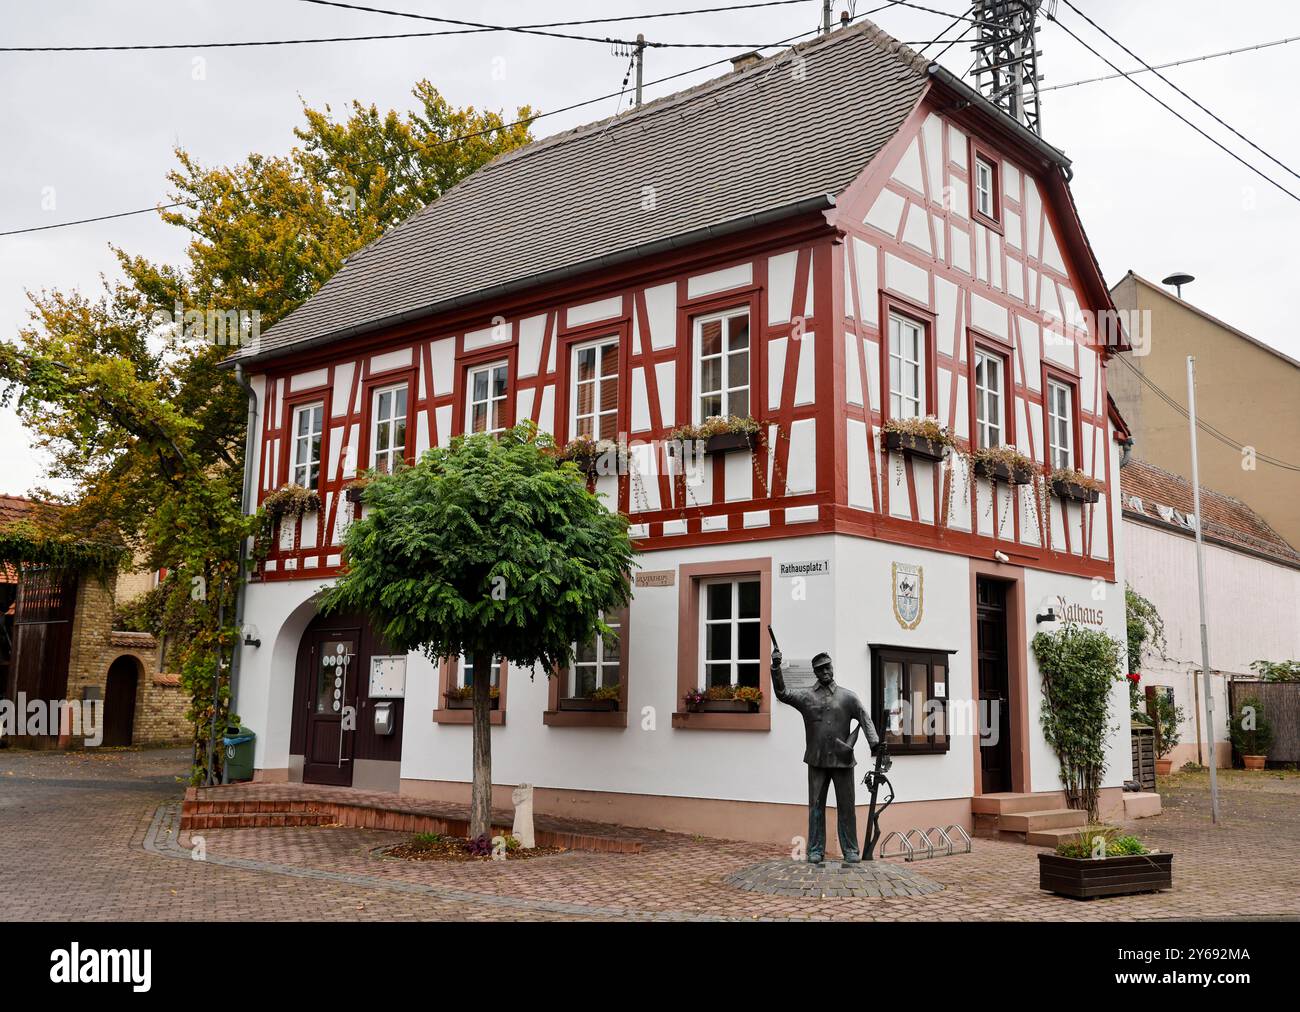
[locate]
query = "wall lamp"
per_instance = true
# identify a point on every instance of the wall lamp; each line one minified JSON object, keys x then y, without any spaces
{"x":1046,"y":616}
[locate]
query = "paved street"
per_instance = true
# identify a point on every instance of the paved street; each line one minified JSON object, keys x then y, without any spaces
{"x":90,"y":836}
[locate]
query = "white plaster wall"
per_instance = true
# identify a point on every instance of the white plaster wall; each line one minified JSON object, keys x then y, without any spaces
{"x":1252,"y":608}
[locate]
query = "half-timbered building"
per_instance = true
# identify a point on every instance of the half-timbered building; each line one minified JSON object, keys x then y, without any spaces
{"x":828,"y":241}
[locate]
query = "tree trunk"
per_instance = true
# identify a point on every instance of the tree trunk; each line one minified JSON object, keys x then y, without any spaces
{"x":480,"y":805}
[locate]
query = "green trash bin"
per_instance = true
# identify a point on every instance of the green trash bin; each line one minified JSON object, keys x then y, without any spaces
{"x":238,"y":745}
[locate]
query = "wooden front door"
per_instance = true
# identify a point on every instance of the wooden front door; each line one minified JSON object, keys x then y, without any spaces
{"x":119,"y":701}
{"x":994,"y":686}
{"x":330,"y":678}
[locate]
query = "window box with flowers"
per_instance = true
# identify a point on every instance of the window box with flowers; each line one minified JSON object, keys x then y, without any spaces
{"x":1003,"y":463}
{"x":602,"y":700}
{"x":724,"y":699}
{"x":918,"y":437}
{"x":461,"y":697}
{"x":591,"y":456}
{"x":1074,"y":486}
{"x":719,"y":434}
{"x":354,"y":491}
{"x":291,"y":500}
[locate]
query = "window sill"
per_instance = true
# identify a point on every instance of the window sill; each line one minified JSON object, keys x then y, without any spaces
{"x":983,"y":219}
{"x":585,"y":718}
{"x":497,"y":717}
{"x":688,"y":721}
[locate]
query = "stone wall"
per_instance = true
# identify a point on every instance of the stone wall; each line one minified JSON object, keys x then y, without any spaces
{"x":160,"y":702}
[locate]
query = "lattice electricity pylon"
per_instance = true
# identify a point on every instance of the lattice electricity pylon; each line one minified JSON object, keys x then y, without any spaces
{"x":1006,"y":56}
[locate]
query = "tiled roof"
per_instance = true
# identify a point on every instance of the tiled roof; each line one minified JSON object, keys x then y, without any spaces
{"x":747,"y":144}
{"x":1167,"y":497}
{"x":14,"y":507}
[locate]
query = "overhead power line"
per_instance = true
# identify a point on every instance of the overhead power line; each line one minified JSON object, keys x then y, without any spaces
{"x":528,"y":120}
{"x":1176,"y":63}
{"x":483,"y":29}
{"x":1155,"y":98}
{"x":1203,"y":425}
{"x":1218,"y":119}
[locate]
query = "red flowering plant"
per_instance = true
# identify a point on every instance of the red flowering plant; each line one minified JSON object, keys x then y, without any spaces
{"x":693,"y":698}
{"x":1135,"y":697}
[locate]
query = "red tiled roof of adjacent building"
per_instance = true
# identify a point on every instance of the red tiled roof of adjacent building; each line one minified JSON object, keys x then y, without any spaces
{"x":1157,"y":495}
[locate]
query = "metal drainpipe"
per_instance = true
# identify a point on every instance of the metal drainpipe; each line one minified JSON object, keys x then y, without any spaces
{"x":1127,"y":451}
{"x":249,"y":436}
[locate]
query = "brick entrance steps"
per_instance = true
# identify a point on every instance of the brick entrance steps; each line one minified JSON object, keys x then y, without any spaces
{"x":1025,"y":818}
{"x":253,"y":806}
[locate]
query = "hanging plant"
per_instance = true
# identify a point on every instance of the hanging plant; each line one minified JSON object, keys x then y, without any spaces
{"x":1004,"y":463}
{"x":918,"y":437}
{"x":1067,"y":483}
{"x":586,"y":453}
{"x":720,"y":434}
{"x":291,"y":500}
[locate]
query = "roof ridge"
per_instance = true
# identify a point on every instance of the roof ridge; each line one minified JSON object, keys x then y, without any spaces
{"x":866,"y":28}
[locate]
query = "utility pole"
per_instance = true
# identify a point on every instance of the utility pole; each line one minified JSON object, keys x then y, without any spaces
{"x":1200,"y":589}
{"x":640,"y":61}
{"x":826,"y":16}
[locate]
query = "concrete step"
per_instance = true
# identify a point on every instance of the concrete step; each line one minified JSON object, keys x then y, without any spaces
{"x":1000,"y":804}
{"x":1053,"y":818}
{"x":1051,"y":837}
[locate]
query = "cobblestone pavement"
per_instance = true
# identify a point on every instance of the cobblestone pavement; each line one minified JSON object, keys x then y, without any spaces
{"x":90,"y":836}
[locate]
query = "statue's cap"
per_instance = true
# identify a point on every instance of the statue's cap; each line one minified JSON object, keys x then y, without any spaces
{"x":822,"y":658}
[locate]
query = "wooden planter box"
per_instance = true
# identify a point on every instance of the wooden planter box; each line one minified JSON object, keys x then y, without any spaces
{"x":1085,"y":878}
{"x":353,"y":493}
{"x":726,"y":706}
{"x":589,"y":705}
{"x":915,"y":446}
{"x":998,"y":471}
{"x":1074,"y":491}
{"x":467,"y":704}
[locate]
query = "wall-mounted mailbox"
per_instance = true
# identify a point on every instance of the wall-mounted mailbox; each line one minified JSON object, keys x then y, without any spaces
{"x":385,"y":718}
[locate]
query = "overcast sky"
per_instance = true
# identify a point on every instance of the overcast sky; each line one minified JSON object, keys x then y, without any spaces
{"x":100,"y":128}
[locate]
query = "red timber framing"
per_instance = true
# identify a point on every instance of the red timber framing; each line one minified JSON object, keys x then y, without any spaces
{"x":798,"y":366}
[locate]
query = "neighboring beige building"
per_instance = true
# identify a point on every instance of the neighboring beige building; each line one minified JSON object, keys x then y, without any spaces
{"x":1245,"y":389}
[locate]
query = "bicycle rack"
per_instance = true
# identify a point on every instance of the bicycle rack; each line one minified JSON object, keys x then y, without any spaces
{"x":965,"y":838}
{"x":946,"y":840}
{"x":904,"y":850}
{"x":925,"y":842}
{"x":937,"y":841}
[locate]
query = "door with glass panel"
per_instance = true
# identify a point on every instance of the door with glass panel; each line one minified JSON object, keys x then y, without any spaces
{"x":333,"y":674}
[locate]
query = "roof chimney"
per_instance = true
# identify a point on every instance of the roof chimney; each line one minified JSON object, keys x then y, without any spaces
{"x":745,"y":60}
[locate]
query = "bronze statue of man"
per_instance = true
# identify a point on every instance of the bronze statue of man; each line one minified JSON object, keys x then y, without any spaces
{"x":828,"y":711}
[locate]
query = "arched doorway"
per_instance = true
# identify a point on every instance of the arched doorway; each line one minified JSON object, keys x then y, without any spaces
{"x":119,"y":700}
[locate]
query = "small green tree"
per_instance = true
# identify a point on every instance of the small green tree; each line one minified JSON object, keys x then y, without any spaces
{"x":1170,"y":717}
{"x":1277,"y":671}
{"x":1078,"y":668}
{"x":1250,"y":730}
{"x":491,"y":547}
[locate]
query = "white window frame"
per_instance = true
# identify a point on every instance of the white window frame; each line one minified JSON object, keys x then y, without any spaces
{"x":735,"y":622}
{"x":600,"y":664}
{"x":725,"y":392}
{"x":990,"y":431}
{"x":900,"y":397}
{"x":985,"y":187}
{"x":395,"y":454}
{"x":597,"y":414}
{"x":1060,"y":425}
{"x":462,"y":662}
{"x":300,"y":470}
{"x":490,"y":401}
